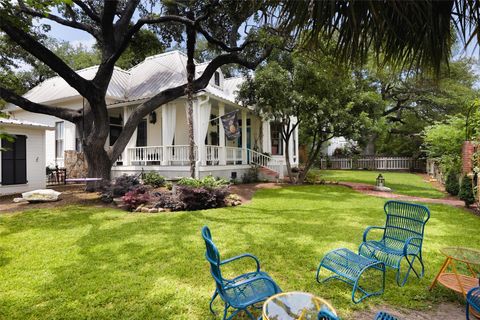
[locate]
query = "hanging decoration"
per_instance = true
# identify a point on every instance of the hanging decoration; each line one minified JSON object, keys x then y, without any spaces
{"x":230,"y":125}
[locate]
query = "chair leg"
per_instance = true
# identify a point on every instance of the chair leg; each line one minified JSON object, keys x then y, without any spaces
{"x":410,"y":268}
{"x":215,"y":294}
{"x":225,"y":312}
{"x":468,"y":311}
{"x":250,"y":314}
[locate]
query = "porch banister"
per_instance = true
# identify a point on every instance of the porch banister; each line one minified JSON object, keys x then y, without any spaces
{"x":222,"y":154}
{"x":244,"y":137}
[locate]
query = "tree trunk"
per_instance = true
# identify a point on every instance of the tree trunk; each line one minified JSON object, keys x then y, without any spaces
{"x":191,"y":40}
{"x":310,"y":160}
{"x":101,"y":169}
{"x":287,"y":160}
{"x":370,"y":148}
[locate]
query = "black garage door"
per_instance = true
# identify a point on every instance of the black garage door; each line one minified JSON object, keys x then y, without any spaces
{"x":14,"y":161}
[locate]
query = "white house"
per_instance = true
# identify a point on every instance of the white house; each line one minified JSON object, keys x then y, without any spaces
{"x":22,"y":161}
{"x":160,"y":142}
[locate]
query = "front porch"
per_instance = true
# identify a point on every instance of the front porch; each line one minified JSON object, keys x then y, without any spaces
{"x":160,"y":142}
{"x":174,"y":160}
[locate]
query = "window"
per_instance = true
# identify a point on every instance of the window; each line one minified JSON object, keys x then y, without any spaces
{"x":142,"y":134}
{"x":14,"y":161}
{"x":115,"y":129}
{"x":217,"y":78}
{"x":276,"y":135}
{"x":59,"y":139}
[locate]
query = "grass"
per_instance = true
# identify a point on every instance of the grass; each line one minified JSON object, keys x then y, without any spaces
{"x":401,"y":182}
{"x":97,"y":263}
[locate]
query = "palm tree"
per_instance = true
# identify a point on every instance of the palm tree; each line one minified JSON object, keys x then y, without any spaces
{"x":405,"y":33}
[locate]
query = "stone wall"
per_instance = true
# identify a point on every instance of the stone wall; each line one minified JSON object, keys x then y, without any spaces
{"x":76,"y":164}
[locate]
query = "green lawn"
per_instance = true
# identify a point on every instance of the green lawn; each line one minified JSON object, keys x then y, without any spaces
{"x":401,"y":182}
{"x":95,"y":263}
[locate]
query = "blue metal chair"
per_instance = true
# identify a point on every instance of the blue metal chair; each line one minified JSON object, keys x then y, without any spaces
{"x":473,"y":301}
{"x":326,"y":314}
{"x":242,"y":291}
{"x":402,"y":238}
{"x":384,"y":316}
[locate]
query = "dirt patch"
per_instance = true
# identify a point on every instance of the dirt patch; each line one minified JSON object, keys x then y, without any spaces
{"x":71,"y":195}
{"x":444,"y":311}
{"x":76,"y":195}
{"x":246,"y":191}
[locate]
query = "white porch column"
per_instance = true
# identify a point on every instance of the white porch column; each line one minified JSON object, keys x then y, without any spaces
{"x":266,"y":139}
{"x":221,"y":132}
{"x":169,"y":120}
{"x":244,"y":137}
{"x":132,"y":143}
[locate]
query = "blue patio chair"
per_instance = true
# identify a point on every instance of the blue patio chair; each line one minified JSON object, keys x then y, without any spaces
{"x":473,"y":301}
{"x":402,"y":238}
{"x":384,"y":316}
{"x":242,"y":291}
{"x":326,"y":314}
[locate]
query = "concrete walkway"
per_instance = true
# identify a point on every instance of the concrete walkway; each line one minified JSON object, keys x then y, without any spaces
{"x":368,"y":189}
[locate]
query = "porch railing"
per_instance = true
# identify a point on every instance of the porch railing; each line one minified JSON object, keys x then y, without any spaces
{"x":234,"y":155}
{"x":265,"y":161}
{"x":213,"y":155}
{"x":179,"y":155}
{"x":145,"y":155}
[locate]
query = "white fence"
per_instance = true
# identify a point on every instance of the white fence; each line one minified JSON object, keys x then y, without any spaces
{"x":373,"y":163}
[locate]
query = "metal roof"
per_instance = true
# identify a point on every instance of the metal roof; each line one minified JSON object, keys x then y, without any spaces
{"x":148,"y":78}
{"x":24,"y":123}
{"x":56,"y":88}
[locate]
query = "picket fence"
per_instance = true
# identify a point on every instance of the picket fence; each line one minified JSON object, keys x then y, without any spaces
{"x":374,"y":163}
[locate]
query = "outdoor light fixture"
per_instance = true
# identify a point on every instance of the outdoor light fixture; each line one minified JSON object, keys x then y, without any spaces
{"x":152,"y":117}
{"x":380,"y":181}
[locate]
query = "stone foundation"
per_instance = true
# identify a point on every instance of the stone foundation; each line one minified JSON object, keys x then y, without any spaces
{"x":76,"y":164}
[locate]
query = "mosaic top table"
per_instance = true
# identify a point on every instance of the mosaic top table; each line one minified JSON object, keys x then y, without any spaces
{"x":453,"y":280}
{"x":294,"y":306}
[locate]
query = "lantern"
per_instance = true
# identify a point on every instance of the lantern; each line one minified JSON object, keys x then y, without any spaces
{"x":380,"y":181}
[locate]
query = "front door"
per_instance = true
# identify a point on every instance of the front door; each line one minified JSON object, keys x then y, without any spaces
{"x":14,"y":161}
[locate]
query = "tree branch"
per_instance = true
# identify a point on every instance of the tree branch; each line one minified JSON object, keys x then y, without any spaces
{"x":63,"y":113}
{"x":31,"y":45}
{"x":69,"y":23}
{"x":90,"y":13}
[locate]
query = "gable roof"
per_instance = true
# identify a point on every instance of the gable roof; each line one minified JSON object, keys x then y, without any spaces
{"x":153,"y":75}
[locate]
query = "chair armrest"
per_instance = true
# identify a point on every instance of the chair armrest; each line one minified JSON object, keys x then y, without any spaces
{"x":365,"y":233}
{"x":245,"y":255}
{"x":241,"y":283}
{"x":407,"y":243}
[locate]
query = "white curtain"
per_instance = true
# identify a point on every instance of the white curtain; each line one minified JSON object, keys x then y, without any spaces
{"x":203,"y":116}
{"x":169,"y":120}
{"x":127,"y":111}
{"x":266,"y":139}
{"x":201,"y":119}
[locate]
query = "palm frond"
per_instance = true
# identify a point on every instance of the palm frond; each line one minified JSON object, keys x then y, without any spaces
{"x":412,"y":33}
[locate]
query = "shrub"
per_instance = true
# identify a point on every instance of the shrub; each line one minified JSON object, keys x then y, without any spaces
{"x":119,"y":187}
{"x":466,"y":191}
{"x":132,"y":199}
{"x":153,"y":179}
{"x":168,"y":201}
{"x":452,"y":185}
{"x":169,"y":185}
{"x":198,"y":198}
{"x":251,"y":175}
{"x":207,"y":182}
